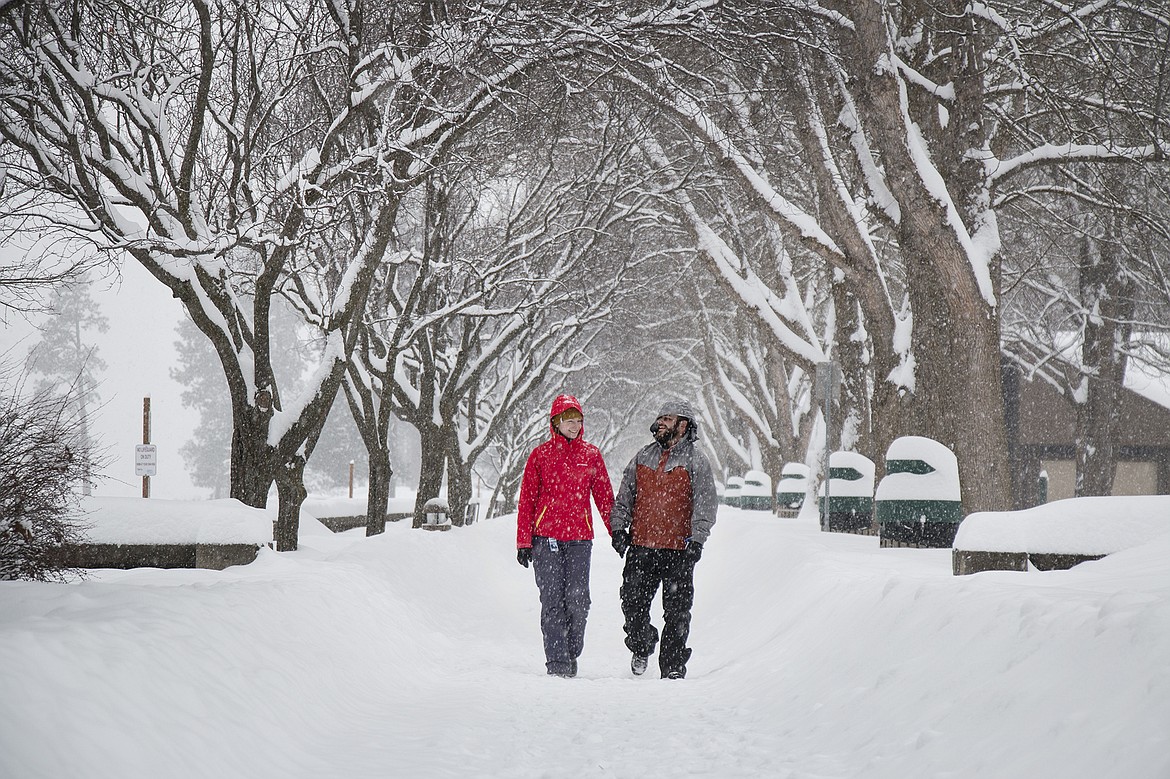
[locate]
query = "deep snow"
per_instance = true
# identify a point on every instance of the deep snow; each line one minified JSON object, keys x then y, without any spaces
{"x":418,"y":654}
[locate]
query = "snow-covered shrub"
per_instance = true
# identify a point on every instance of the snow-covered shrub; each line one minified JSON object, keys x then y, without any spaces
{"x":42,"y":460}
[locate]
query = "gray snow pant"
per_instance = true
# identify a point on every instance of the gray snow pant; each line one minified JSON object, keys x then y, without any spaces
{"x":644,"y":571}
{"x":562,"y":574}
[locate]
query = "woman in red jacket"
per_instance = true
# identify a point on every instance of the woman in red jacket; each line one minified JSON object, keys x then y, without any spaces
{"x":554,"y":530}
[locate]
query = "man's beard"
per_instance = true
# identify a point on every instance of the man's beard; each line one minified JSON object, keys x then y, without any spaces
{"x":665,"y":435}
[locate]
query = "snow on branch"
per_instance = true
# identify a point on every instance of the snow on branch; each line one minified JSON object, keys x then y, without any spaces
{"x":1050,"y":153}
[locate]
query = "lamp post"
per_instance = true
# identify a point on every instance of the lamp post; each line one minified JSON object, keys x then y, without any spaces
{"x":828,"y":388}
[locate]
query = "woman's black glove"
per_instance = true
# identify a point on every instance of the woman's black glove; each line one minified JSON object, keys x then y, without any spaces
{"x":693,"y":551}
{"x":524,"y":555}
{"x":620,"y":539}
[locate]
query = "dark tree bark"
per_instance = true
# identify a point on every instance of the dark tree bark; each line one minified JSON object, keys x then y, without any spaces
{"x":433,"y":462}
{"x":1108,"y":301}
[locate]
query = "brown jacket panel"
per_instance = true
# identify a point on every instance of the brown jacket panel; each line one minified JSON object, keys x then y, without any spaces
{"x":662,"y":512}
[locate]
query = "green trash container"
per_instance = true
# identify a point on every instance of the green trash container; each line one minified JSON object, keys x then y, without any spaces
{"x":757,"y":491}
{"x":733,"y":492}
{"x":850,"y":493}
{"x":791,"y":488}
{"x":918,"y":500}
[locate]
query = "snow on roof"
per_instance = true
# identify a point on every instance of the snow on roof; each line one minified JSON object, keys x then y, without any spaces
{"x":1088,"y":526}
{"x":1140,"y":376}
{"x":1143,"y":380}
{"x":153,"y":521}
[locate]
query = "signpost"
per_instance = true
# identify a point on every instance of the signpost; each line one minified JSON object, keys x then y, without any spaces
{"x":145,"y":461}
{"x":146,"y":453}
{"x":828,"y":389}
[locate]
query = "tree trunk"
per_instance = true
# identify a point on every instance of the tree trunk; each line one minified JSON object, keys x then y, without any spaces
{"x":251,"y":471}
{"x":432,"y":456}
{"x":1103,"y":285}
{"x":290,"y":488}
{"x":378,"y":496}
{"x":958,"y":389}
{"x":458,"y":490}
{"x":958,"y":392}
{"x":507,"y":489}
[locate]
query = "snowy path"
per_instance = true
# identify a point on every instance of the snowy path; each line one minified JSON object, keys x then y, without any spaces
{"x":418,"y":655}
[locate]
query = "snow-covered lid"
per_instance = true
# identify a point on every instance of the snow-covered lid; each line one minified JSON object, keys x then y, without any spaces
{"x":851,"y":475}
{"x":1088,"y":526}
{"x":757,"y":483}
{"x":919,"y":468}
{"x":793,"y":478}
{"x":734,"y":484}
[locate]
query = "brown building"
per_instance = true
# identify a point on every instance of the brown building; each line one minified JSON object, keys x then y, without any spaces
{"x":1041,"y":424}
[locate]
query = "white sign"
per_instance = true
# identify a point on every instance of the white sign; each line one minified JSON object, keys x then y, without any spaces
{"x":145,"y":460}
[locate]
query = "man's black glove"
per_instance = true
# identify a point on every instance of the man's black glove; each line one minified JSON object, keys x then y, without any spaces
{"x":620,"y":539}
{"x":693,"y":551}
{"x":524,"y":555}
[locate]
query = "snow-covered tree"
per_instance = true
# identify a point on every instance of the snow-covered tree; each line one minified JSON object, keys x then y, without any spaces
{"x":913,"y":122}
{"x":230,"y":147}
{"x":64,"y":362}
{"x":510,"y":278}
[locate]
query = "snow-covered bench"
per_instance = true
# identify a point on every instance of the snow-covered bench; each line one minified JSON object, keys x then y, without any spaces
{"x":341,"y":514}
{"x":1058,"y":535}
{"x":151,"y":533}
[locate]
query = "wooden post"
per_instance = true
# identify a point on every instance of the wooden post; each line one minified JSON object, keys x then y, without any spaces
{"x":351,"y":479}
{"x":146,"y":440}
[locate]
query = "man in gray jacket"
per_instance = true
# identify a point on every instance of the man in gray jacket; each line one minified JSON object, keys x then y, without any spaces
{"x":663,"y":513}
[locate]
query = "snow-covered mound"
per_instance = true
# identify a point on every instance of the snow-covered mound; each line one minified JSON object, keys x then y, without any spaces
{"x":1081,"y":526}
{"x":153,"y":521}
{"x":415,"y":654}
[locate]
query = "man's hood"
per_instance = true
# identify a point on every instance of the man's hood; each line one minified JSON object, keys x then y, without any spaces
{"x":678,"y":408}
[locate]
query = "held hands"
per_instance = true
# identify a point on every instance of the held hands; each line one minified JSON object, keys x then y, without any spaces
{"x":524,"y":556}
{"x":693,"y":551}
{"x":620,"y":540}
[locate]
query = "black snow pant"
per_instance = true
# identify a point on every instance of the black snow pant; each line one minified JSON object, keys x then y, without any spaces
{"x":645,"y":570}
{"x":562,"y":574}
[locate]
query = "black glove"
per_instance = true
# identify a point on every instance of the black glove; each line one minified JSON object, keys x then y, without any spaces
{"x":524,"y":555}
{"x":693,"y":551}
{"x":620,"y":539}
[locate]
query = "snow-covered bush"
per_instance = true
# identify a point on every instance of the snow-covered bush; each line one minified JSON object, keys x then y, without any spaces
{"x":42,"y":460}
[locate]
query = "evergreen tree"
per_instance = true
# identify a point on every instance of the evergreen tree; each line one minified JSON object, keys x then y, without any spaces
{"x":207,"y":453}
{"x":66,"y":364}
